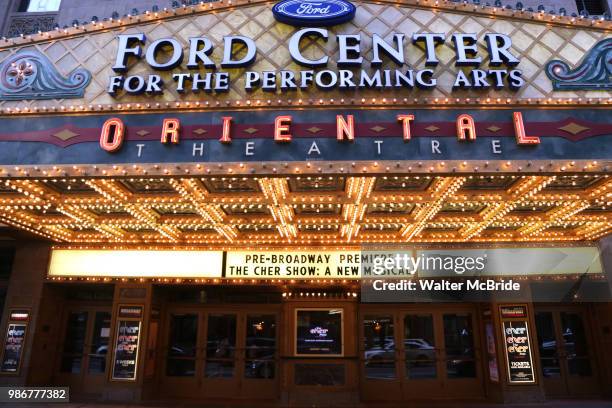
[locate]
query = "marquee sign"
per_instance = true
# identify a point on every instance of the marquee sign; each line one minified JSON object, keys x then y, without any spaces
{"x":136,"y":264}
{"x":293,"y":265}
{"x":315,"y":263}
{"x":308,"y":135}
{"x":351,"y":50}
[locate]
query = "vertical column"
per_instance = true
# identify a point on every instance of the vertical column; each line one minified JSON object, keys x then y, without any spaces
{"x":603,"y":320}
{"x":24,"y":296}
{"x":605,"y":251}
{"x":131,"y":312}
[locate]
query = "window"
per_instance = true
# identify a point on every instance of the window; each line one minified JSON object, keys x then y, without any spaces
{"x":593,"y":7}
{"x":181,"y":352}
{"x":38,"y":6}
{"x":379,"y":347}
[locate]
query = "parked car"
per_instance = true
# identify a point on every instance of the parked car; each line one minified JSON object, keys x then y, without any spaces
{"x":415,"y":350}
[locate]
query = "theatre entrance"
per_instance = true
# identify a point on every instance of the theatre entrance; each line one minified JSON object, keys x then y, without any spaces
{"x":566,"y":351}
{"x":213,"y":353}
{"x":420,"y":353}
{"x":82,"y":358}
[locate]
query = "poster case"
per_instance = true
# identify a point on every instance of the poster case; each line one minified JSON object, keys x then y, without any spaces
{"x":14,"y":341}
{"x":319,"y":332}
{"x":127,"y":342}
{"x":517,"y":345}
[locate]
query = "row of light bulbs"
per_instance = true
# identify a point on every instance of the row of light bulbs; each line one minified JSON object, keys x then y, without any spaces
{"x":332,"y":102}
{"x":271,"y":169}
{"x":353,"y":284}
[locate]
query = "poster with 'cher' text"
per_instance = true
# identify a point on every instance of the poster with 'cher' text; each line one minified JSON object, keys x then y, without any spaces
{"x":518,"y":352}
{"x":13,"y":348}
{"x":126,"y":350}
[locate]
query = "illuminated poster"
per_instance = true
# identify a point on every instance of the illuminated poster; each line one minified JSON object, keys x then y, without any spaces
{"x":518,"y":352}
{"x":319,"y":332}
{"x":13,"y":348}
{"x":125,"y":359}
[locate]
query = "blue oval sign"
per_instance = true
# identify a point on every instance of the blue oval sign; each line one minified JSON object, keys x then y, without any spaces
{"x":311,"y":13}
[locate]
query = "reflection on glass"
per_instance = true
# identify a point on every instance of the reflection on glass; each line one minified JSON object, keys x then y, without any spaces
{"x":220,"y":345}
{"x":575,"y":344}
{"x":74,"y":342}
{"x":379,"y":347}
{"x":459,"y":345}
{"x":182,"y":340}
{"x":547,"y":344}
{"x":419,"y":345}
{"x":99,"y":343}
{"x":260,"y":350}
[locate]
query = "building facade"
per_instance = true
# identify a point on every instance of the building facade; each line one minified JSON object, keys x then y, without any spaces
{"x":305,"y":203}
{"x":31,"y":16}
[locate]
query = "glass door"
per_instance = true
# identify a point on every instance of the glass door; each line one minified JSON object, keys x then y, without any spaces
{"x":84,"y":349}
{"x":241,"y":355}
{"x":566,"y":356}
{"x":213,"y":354}
{"x":182,"y":355}
{"x":260,"y":356}
{"x":380,"y":351}
{"x":421,"y":352}
{"x":220,"y":359}
{"x":181,"y":351}
{"x":73,"y":349}
{"x":461,"y":355}
{"x":99,"y":344}
{"x":440,"y":355}
{"x":379,"y":357}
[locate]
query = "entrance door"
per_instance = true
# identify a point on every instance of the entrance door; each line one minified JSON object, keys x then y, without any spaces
{"x":421,"y":354}
{"x":83,"y":357}
{"x":240,"y":355}
{"x":440,"y":355}
{"x":221,"y":353}
{"x":566,"y":354}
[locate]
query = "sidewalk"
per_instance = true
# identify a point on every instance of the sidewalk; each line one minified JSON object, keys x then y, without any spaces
{"x":547,"y":404}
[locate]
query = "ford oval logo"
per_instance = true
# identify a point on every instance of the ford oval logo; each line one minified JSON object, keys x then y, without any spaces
{"x":310,"y":13}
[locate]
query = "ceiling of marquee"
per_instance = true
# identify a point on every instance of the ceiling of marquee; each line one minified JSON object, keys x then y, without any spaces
{"x":310,"y":210}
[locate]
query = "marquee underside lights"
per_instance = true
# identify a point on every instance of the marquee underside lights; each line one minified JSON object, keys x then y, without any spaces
{"x":261,"y":135}
{"x":335,"y":211}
